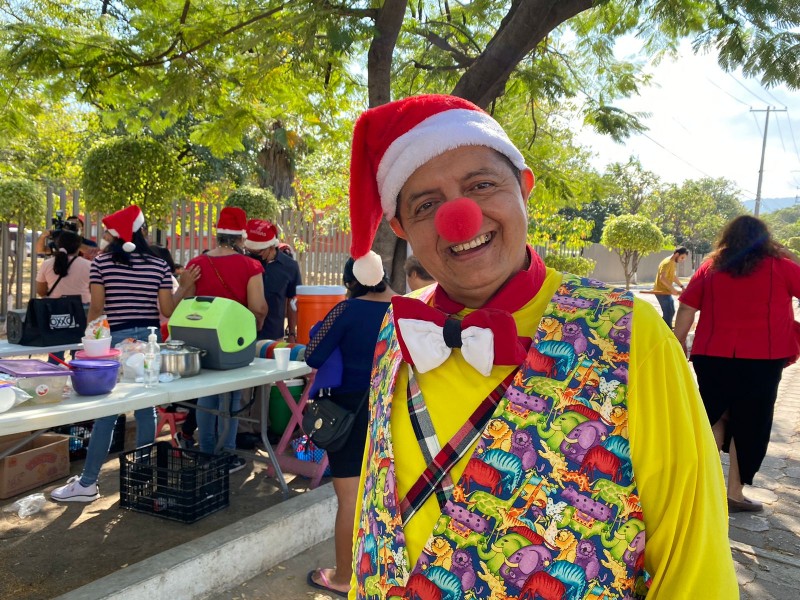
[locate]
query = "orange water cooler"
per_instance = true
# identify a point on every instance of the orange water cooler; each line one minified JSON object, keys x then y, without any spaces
{"x":313,"y":303}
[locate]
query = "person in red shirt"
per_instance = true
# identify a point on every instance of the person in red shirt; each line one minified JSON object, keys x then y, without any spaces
{"x":744,"y":339}
{"x":227,"y":273}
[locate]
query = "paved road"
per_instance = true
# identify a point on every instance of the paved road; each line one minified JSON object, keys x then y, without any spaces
{"x":766,"y":546}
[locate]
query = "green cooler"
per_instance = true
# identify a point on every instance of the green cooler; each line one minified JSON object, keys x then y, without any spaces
{"x":225,"y":329}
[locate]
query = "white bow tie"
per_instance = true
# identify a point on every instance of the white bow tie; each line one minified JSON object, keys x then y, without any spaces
{"x":426,"y":345}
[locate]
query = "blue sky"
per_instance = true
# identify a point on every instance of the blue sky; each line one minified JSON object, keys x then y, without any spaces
{"x":701,"y":124}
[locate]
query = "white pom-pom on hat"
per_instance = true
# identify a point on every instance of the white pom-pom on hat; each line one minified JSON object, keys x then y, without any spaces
{"x":368,"y":269}
{"x":129,"y":246}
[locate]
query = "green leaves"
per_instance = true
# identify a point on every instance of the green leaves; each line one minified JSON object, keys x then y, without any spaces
{"x":21,"y":201}
{"x":258,"y":203}
{"x":632,"y":233}
{"x":129,"y":170}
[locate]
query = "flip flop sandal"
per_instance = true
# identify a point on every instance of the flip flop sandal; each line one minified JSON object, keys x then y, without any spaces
{"x":325,"y":585}
{"x":735,"y":506}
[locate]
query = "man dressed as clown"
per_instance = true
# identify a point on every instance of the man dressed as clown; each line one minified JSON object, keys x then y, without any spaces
{"x":532,"y":434}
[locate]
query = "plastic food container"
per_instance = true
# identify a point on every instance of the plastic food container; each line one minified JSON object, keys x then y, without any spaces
{"x":113,"y":354}
{"x":43,"y":381}
{"x":96,"y":347}
{"x":94,"y":377}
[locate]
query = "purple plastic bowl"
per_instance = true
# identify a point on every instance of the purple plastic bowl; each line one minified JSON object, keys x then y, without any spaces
{"x":93,"y":377}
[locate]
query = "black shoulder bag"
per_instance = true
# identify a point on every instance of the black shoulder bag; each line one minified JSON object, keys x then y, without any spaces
{"x":327,"y":424}
{"x":54,"y":321}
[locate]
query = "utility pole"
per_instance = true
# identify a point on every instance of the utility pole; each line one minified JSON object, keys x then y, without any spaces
{"x":763,"y":151}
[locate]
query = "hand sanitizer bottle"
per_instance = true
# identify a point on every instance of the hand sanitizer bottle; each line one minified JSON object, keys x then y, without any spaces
{"x":152,"y":360}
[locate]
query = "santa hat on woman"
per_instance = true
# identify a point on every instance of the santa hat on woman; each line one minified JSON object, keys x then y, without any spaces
{"x":232,"y":221}
{"x":123,"y":224}
{"x":261,"y":234}
{"x":392,"y":141}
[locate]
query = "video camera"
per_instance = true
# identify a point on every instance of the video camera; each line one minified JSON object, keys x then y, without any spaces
{"x":59,"y":224}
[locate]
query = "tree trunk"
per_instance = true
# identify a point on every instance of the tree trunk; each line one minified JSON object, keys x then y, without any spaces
{"x":381,"y":50}
{"x":527,"y":24}
{"x":379,"y":75}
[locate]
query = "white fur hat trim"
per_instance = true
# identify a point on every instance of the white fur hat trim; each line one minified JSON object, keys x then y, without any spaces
{"x":434,"y":136}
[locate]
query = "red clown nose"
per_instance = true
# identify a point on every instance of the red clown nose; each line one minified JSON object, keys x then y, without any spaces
{"x":458,"y":220}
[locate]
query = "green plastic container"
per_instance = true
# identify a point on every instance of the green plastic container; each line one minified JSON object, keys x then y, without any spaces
{"x":279,"y":413}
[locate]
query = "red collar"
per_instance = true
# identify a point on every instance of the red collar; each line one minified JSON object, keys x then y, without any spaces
{"x":515,"y":294}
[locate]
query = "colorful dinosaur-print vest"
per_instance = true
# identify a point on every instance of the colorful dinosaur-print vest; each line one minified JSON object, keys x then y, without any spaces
{"x":552,"y":510}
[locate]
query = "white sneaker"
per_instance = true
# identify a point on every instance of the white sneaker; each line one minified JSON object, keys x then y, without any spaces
{"x":73,"y":491}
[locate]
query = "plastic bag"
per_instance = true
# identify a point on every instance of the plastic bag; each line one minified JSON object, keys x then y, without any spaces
{"x":132,"y":359}
{"x":11,"y":395}
{"x":98,"y":328}
{"x":27,"y":506}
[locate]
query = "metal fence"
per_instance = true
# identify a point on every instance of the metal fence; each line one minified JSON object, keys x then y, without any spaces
{"x":320,"y":250}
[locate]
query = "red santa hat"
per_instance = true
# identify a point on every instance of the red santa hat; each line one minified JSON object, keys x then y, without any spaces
{"x":261,"y":234}
{"x":392,"y":141}
{"x":123,"y":224}
{"x":232,"y":221}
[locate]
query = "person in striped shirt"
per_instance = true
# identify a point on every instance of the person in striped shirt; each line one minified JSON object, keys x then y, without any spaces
{"x":128,"y":283}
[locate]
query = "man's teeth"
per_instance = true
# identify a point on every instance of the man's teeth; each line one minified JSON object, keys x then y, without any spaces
{"x":478,"y":241}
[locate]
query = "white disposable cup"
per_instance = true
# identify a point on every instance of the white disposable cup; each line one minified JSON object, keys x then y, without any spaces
{"x":96,"y":347}
{"x":282,"y":358}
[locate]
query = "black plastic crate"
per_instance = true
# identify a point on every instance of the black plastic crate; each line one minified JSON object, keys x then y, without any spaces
{"x":80,"y":433}
{"x":173,"y":483}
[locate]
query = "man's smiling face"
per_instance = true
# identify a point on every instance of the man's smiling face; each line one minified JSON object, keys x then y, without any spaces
{"x":470,"y":272}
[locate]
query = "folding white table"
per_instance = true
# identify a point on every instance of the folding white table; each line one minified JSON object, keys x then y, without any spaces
{"x":126,"y":397}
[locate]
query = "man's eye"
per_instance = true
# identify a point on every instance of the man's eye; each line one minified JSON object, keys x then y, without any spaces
{"x":423,"y":207}
{"x":483,"y":185}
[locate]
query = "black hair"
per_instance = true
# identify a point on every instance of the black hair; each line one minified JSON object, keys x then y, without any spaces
{"x":355,"y":287}
{"x":742,"y":245}
{"x":412,"y":265}
{"x":231,"y":240}
{"x":681,"y":250}
{"x":70,"y":242}
{"x":120,"y":256}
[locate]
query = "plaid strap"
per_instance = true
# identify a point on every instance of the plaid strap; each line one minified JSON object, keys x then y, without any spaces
{"x":426,"y":434}
{"x":434,"y":474}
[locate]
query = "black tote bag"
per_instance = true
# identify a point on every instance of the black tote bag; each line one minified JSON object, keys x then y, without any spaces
{"x":53,"y":321}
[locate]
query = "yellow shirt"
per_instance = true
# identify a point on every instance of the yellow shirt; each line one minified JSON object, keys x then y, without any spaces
{"x":667,"y":269}
{"x":675,"y":461}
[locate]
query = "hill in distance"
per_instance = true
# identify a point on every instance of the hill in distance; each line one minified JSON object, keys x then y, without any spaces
{"x":769,"y":205}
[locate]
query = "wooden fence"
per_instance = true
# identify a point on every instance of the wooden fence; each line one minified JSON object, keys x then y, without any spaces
{"x":319,"y":249}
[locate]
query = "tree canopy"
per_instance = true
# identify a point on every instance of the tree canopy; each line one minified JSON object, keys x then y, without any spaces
{"x":631,"y":237}
{"x":128,"y":170}
{"x":289,"y":74}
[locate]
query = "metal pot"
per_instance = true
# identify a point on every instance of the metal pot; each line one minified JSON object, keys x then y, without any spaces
{"x":179,"y":359}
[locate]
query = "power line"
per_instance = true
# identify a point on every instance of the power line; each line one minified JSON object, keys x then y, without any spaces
{"x":794,"y":139}
{"x":767,"y":92}
{"x":724,"y":91}
{"x":748,"y":90}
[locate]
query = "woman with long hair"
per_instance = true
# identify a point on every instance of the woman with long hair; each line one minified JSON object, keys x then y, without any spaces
{"x":66,"y":267}
{"x":352,"y":326}
{"x":227,"y":273}
{"x":128,"y":283}
{"x":744,"y":339}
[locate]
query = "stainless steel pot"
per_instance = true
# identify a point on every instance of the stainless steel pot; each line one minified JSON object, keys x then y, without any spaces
{"x":179,"y":359}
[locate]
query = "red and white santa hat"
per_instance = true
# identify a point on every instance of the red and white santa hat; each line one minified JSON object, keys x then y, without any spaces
{"x":392,"y":141}
{"x":261,"y":234}
{"x":232,"y":221}
{"x":123,"y":224}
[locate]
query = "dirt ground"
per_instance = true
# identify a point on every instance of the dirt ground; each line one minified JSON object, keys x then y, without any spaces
{"x":68,"y":545}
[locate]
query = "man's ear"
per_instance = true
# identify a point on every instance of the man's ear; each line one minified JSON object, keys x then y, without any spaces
{"x":527,"y":181}
{"x":398,"y":228}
